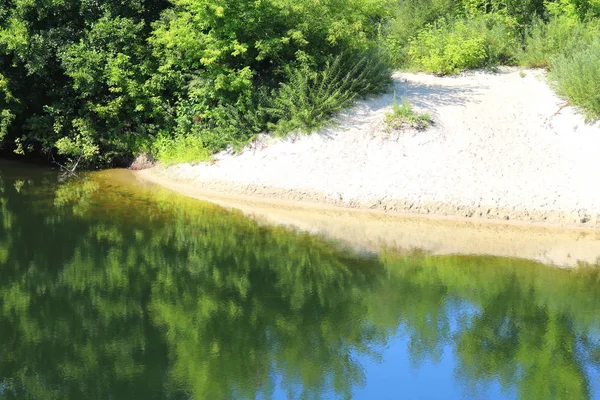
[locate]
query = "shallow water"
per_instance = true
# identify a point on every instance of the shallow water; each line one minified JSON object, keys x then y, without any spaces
{"x":113,"y":290}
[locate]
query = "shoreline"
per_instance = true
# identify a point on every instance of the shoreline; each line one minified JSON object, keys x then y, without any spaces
{"x":502,"y":147}
{"x":221,"y":192}
{"x":373,"y":230}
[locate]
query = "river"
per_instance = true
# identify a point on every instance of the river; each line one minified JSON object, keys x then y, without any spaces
{"x":111,"y":289}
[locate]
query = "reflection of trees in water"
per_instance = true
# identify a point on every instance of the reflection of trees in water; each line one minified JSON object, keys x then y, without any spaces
{"x":147,"y":295}
{"x":533,"y":327}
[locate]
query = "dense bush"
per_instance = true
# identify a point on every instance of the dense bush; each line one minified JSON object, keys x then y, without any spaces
{"x":449,"y":47}
{"x":569,"y":45}
{"x":577,"y":77}
{"x":309,"y":98}
{"x":239,"y":53}
{"x":503,"y":17}
{"x":105,"y":79}
{"x":80,"y":77}
{"x":446,"y":48}
{"x":561,"y":35}
{"x":407,"y":19}
{"x":180,"y":148}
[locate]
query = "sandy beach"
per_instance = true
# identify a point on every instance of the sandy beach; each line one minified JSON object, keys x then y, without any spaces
{"x":503,"y":146}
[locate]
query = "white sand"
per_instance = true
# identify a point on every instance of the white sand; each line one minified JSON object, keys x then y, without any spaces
{"x":497,"y":150}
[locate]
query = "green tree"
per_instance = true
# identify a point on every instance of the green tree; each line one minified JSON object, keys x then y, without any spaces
{"x":99,"y":81}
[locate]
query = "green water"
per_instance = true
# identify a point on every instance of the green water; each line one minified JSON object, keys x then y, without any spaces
{"x":111,"y":290}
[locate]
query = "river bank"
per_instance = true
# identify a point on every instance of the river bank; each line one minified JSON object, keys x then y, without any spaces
{"x":503,"y":147}
{"x":373,"y":230}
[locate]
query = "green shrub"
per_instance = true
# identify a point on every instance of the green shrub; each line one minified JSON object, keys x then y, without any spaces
{"x":576,"y":76}
{"x":309,"y":98}
{"x":448,"y":47}
{"x":501,"y":22}
{"x":501,"y":34}
{"x":574,"y":9}
{"x":403,"y":116}
{"x":223,"y":125}
{"x":408,"y":18}
{"x":569,"y":45}
{"x":179,"y":149}
{"x":561,"y":35}
{"x":427,"y":51}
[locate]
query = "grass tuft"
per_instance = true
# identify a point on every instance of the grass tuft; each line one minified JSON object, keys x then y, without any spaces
{"x":403,"y":116}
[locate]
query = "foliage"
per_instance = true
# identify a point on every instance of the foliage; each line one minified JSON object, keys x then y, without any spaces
{"x":229,"y":59}
{"x":108,"y":78}
{"x":6,"y":101}
{"x":447,"y":47}
{"x":523,"y":11}
{"x":568,"y":45}
{"x":407,"y":19}
{"x":80,"y":72}
{"x":577,"y":77}
{"x":501,"y":22}
{"x":501,"y":34}
{"x":561,"y":35}
{"x":80,"y":146}
{"x":403,"y":116}
{"x":116,"y":75}
{"x":309,"y":98}
{"x":431,"y":49}
{"x":180,"y":149}
{"x":574,"y":9}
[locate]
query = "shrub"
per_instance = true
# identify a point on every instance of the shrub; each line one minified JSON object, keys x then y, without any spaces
{"x":577,"y":77}
{"x":521,"y":11}
{"x":224,"y":124}
{"x":309,"y":98}
{"x":561,"y":35}
{"x":445,"y":48}
{"x":501,"y":22}
{"x":179,"y":149}
{"x":574,"y":9}
{"x":403,"y":116}
{"x":450,"y":47}
{"x":501,"y":37}
{"x":408,"y":18}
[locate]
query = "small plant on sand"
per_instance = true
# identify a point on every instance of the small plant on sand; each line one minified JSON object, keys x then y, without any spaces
{"x":403,"y":116}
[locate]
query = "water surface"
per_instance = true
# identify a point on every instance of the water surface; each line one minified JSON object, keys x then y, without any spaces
{"x":112,"y":290}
